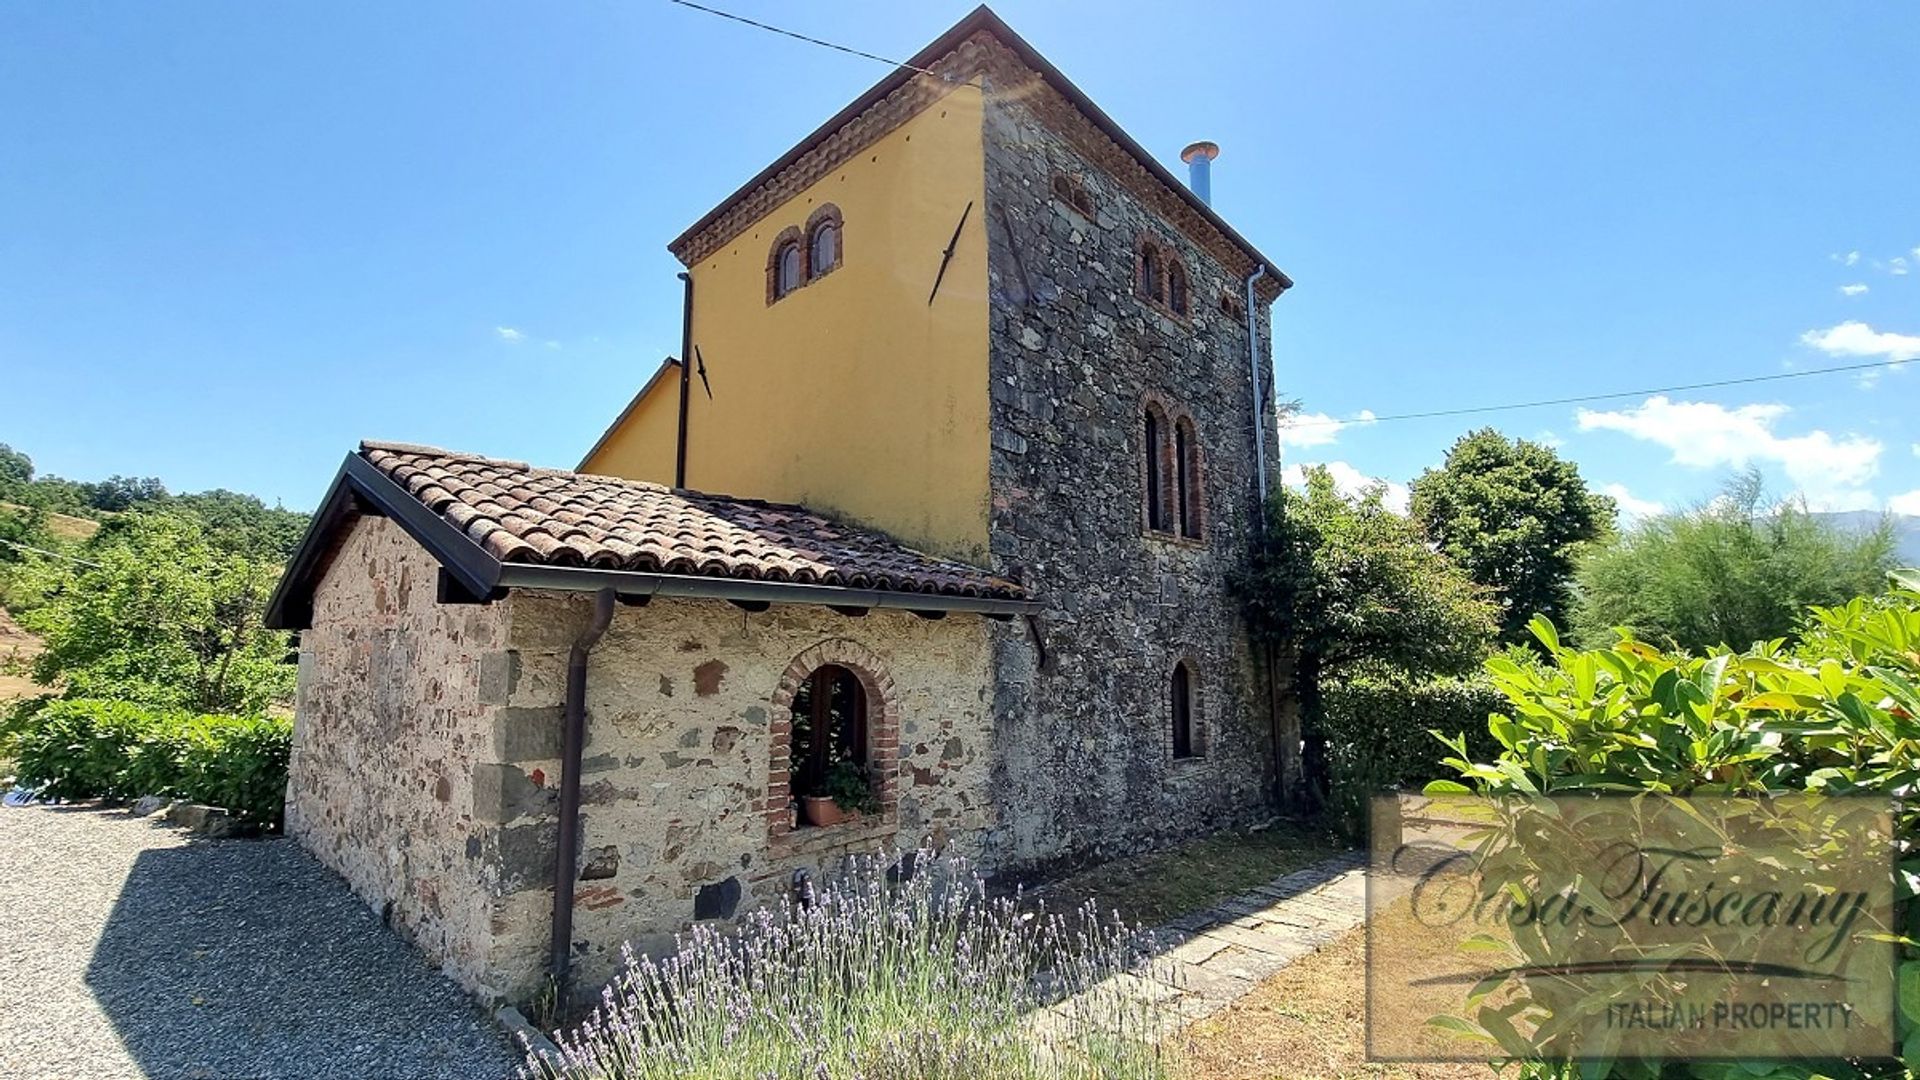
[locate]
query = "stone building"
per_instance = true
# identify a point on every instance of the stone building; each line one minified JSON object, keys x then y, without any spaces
{"x":1004,"y":381}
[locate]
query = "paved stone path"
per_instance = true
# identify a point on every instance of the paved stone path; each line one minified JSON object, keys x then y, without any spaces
{"x":1210,"y":958}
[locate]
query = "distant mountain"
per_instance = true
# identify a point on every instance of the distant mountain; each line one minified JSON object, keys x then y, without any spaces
{"x":1906,"y":530}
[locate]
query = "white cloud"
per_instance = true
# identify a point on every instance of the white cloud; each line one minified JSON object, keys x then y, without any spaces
{"x":1858,"y":339}
{"x":1549,"y":440}
{"x":1897,"y":266}
{"x":553,"y":345}
{"x":1831,"y":472}
{"x":1632,"y":507}
{"x":1851,"y":258}
{"x":1317,"y":429}
{"x":1905,"y":504}
{"x":509,"y":335}
{"x":1349,"y":481}
{"x":1853,"y":290}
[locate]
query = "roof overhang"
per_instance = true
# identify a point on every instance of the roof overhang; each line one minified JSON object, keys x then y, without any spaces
{"x":361,"y":489}
{"x":981,"y":19}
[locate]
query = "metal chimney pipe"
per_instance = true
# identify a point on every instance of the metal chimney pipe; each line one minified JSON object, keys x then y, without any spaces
{"x":1199,"y":158}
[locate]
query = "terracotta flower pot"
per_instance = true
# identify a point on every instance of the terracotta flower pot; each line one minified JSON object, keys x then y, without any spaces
{"x":821,"y":810}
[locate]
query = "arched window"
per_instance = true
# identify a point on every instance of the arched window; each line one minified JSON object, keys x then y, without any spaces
{"x":824,"y":254}
{"x":786,"y":264}
{"x":829,"y":732}
{"x":1181,"y":699}
{"x":1186,"y":467}
{"x":1154,"y":438}
{"x":1177,"y":287}
{"x":1149,"y":282}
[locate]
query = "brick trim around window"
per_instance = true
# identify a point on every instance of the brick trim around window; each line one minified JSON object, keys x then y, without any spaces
{"x":883,"y":746}
{"x":824,"y":214}
{"x":789,"y":235}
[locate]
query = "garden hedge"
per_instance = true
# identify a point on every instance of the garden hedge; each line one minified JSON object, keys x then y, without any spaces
{"x":88,"y":748}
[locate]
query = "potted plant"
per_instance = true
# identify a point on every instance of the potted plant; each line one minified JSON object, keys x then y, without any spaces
{"x":845,"y":792}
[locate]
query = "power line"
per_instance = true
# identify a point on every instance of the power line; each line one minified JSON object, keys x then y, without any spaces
{"x":1577,"y":399}
{"x":801,"y":37}
{"x":51,"y":554}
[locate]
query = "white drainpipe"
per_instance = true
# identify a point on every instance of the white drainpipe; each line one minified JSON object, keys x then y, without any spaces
{"x":1259,"y":394}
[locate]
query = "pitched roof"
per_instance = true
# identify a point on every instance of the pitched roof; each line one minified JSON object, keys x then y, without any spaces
{"x":921,"y":79}
{"x":501,"y":524}
{"x":671,"y":363}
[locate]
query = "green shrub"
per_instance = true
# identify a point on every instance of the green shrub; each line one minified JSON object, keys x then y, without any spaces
{"x":1838,"y":714}
{"x":1381,"y":737}
{"x":239,"y":763}
{"x":83,"y":748}
{"x":78,"y":749}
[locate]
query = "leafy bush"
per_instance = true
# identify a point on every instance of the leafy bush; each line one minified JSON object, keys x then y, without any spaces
{"x":79,"y":749}
{"x":1735,"y":571}
{"x":1380,"y":737}
{"x":1837,"y":714}
{"x":82,"y":748}
{"x":907,"y":976}
{"x":239,"y":763}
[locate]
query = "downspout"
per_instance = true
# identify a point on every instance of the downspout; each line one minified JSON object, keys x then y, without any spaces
{"x":686,"y":377}
{"x":1281,"y":757}
{"x":573,"y":738}
{"x":1259,"y":393}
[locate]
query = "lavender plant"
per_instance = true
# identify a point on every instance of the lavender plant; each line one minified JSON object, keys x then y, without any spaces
{"x":876,"y":975}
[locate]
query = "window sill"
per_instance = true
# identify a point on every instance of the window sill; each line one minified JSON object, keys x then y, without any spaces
{"x":815,"y":839}
{"x":1175,"y":540}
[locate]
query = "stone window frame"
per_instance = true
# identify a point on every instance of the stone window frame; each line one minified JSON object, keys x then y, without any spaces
{"x":1198,"y":734}
{"x":824,"y":215}
{"x":1177,"y":523}
{"x":790,"y":235}
{"x":883,"y":749}
{"x":1072,"y":193}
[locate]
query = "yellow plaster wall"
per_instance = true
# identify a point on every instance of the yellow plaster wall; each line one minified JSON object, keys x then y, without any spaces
{"x":640,"y":446}
{"x":851,"y":395}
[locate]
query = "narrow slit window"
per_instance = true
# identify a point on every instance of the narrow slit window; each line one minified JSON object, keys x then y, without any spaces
{"x":1182,"y":699}
{"x":1177,"y":288}
{"x":1186,"y":464}
{"x":1156,"y":513}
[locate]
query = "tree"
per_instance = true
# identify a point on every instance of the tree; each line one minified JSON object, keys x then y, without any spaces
{"x":1340,"y":585}
{"x":158,"y":615}
{"x":1514,"y":515}
{"x":15,"y":467}
{"x":1731,"y":572}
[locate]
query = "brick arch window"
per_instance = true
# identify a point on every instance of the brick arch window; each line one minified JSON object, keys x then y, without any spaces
{"x":786,"y":264}
{"x":1188,"y":495}
{"x":835,"y":702}
{"x":1176,"y":286}
{"x":826,"y":241}
{"x":1069,"y":190}
{"x":1155,"y":429}
{"x":1183,"y":726}
{"x":1149,"y":279}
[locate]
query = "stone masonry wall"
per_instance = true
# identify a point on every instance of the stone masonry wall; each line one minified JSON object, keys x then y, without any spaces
{"x":685,"y":814}
{"x":425,"y":767}
{"x":1082,"y":710}
{"x":390,"y":724}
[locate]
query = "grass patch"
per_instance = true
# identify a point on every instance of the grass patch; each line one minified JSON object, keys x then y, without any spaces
{"x":62,"y":526}
{"x":1151,"y":889}
{"x":1306,"y":1023}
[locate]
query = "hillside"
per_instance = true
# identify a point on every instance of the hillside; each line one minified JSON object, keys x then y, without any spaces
{"x":62,"y":526}
{"x":1906,"y":530}
{"x":15,"y":645}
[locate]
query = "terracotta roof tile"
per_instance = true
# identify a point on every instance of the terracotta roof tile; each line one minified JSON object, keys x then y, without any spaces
{"x":521,"y":514}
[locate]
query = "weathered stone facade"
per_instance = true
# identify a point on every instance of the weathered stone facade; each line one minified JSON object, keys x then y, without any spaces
{"x":1081,"y":707}
{"x":428,"y":744}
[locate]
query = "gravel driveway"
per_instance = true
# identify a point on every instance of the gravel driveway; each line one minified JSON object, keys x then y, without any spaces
{"x":128,"y":949}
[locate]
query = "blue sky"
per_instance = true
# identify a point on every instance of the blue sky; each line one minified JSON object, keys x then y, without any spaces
{"x":235,"y":238}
